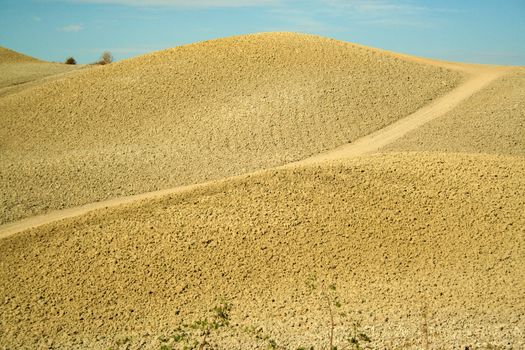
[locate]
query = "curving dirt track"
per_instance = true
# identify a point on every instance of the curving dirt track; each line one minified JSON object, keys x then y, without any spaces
{"x":395,"y":232}
{"x":197,"y":113}
{"x":491,"y":121}
{"x":408,"y":238}
{"x":479,"y":77}
{"x":19,"y":72}
{"x":47,"y":73}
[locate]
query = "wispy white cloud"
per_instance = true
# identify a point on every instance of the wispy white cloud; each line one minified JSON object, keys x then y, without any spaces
{"x":183,"y":3}
{"x":126,"y":51}
{"x":374,"y":7}
{"x":129,"y":50}
{"x":382,"y":12}
{"x":297,"y":20}
{"x":71,"y":28}
{"x":482,"y":56}
{"x":324,"y":16}
{"x":37,"y":19}
{"x":396,"y":22}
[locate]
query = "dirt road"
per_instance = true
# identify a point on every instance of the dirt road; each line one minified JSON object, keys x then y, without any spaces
{"x":479,"y":77}
{"x":18,"y":87}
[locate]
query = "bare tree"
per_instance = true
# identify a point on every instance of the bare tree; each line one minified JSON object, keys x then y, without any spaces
{"x":106,"y":58}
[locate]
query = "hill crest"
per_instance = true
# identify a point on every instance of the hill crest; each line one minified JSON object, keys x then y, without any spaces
{"x":200,"y":112}
{"x":11,"y":56}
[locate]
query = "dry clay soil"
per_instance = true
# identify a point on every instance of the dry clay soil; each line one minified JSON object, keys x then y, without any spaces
{"x":490,"y":121}
{"x":199,"y":112}
{"x":17,"y":70}
{"x":395,"y":233}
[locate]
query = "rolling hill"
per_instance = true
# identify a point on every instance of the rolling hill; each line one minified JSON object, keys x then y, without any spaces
{"x":199,"y":112}
{"x":398,"y":234}
{"x":10,"y":56}
{"x":304,"y":180}
{"x":17,"y":69}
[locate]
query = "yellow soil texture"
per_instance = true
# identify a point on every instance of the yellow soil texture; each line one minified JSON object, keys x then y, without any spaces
{"x":16,"y":69}
{"x":10,"y":56}
{"x":394,"y":232}
{"x":490,"y":121}
{"x":199,"y":112}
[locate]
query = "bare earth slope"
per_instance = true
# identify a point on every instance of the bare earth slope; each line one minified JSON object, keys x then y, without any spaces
{"x":491,"y":121}
{"x":16,"y":69}
{"x":10,"y":56}
{"x":394,"y":232}
{"x":199,"y":112}
{"x":479,"y":77}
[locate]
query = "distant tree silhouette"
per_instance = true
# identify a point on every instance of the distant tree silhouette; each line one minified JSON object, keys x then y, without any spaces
{"x":70,"y":60}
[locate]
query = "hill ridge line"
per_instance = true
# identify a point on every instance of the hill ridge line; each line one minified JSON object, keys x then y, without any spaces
{"x":478,"y":77}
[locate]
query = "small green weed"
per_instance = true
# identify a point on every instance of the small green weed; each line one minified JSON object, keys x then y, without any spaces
{"x":196,"y":335}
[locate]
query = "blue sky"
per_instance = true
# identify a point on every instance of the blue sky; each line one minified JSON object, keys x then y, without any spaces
{"x":483,"y":31}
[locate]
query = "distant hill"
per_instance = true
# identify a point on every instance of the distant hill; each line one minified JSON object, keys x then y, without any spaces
{"x":17,"y":69}
{"x":10,"y":56}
